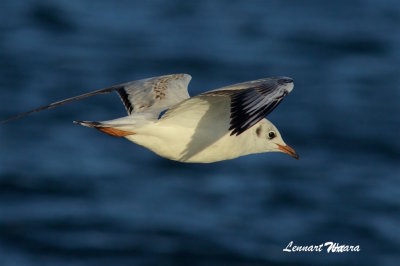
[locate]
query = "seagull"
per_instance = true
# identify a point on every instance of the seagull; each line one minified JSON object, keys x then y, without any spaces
{"x":213,"y":126}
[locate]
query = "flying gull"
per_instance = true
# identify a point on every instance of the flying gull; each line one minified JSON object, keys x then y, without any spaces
{"x":213,"y":126}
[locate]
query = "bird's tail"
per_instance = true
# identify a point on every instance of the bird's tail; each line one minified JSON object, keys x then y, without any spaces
{"x":115,"y":130}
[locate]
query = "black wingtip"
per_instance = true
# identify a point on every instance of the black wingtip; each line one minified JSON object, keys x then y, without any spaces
{"x":88,"y":123}
{"x":4,"y":121}
{"x":12,"y":118}
{"x":236,"y":131}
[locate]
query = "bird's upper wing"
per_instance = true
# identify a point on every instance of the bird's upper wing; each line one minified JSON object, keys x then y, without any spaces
{"x":249,"y":102}
{"x":151,"y":95}
{"x":154,"y":95}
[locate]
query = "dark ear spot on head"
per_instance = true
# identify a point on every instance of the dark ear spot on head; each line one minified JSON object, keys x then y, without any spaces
{"x":258,"y":131}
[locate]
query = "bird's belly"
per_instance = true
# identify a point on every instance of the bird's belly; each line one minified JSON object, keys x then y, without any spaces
{"x":185,"y":144}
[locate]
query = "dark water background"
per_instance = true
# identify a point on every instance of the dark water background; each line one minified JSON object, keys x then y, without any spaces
{"x":72,"y":196}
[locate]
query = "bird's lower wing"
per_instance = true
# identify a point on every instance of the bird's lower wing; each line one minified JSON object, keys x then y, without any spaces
{"x":203,"y":112}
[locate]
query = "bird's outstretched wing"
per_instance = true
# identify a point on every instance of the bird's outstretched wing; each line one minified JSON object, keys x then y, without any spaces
{"x":247,"y":103}
{"x":151,"y":95}
{"x":251,"y":101}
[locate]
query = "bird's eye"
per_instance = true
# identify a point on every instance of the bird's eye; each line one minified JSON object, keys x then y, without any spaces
{"x":271,"y":135}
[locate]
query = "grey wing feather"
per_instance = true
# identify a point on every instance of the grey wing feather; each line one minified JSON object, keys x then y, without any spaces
{"x":252,"y":101}
{"x":147,"y":95}
{"x":154,"y":95}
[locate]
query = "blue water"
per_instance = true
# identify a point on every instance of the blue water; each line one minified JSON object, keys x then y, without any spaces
{"x":70,"y":195}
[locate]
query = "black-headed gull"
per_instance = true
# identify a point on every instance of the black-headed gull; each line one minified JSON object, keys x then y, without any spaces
{"x":213,"y":126}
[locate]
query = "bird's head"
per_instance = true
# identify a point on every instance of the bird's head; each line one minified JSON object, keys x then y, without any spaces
{"x":270,"y":139}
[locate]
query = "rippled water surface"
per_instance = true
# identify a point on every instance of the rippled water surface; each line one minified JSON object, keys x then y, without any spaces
{"x":72,"y":196}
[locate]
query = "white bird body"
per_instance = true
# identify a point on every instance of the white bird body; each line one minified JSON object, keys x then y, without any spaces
{"x":217,"y":125}
{"x":196,"y":145}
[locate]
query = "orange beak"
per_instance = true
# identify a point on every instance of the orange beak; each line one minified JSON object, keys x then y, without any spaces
{"x":289,"y":150}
